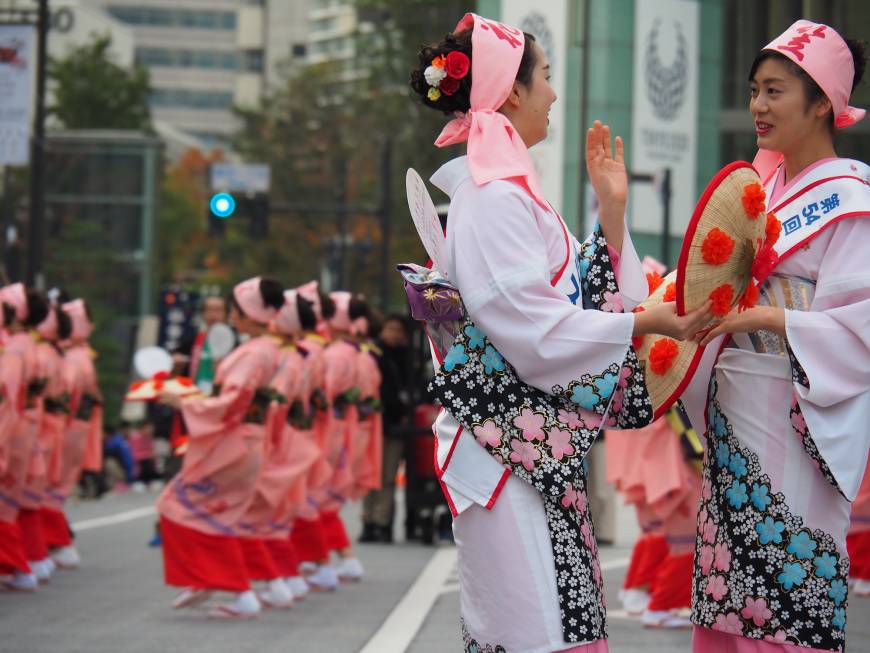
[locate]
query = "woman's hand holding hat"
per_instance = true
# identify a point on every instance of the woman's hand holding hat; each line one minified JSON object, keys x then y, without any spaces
{"x":663,"y":320}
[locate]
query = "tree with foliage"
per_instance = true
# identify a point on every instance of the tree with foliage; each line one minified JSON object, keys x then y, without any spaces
{"x":325,"y":129}
{"x":93,"y":91}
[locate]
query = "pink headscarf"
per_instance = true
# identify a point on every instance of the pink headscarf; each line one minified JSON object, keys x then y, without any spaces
{"x":16,"y":296}
{"x":47,"y":329}
{"x":342,"y":321}
{"x":81,"y":325}
{"x":311,"y":292}
{"x":824,"y":56}
{"x":495,"y":149}
{"x":248,"y":296}
{"x":287,"y":321}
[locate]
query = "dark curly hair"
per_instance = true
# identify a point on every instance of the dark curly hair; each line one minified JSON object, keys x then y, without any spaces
{"x":305,"y":310}
{"x":64,"y":323}
{"x":37,"y":307}
{"x":461,"y":99}
{"x":812,"y":91}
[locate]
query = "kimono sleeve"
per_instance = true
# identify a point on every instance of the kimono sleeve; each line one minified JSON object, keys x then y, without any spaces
{"x":829,"y":347}
{"x":204,"y":417}
{"x":504,"y":276}
{"x":11,"y":405}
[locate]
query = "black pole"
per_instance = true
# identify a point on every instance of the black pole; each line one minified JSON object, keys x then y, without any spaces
{"x":341,"y":201}
{"x":37,"y":162}
{"x":666,"y":206}
{"x":386,"y":200}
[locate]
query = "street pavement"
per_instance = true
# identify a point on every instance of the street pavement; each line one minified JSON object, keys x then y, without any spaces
{"x":408,"y":602}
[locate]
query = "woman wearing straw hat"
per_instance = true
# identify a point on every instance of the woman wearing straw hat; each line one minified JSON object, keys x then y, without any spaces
{"x":788,"y":402}
{"x":535,"y":369}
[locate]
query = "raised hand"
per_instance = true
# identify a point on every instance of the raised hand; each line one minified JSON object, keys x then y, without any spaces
{"x":606,"y":171}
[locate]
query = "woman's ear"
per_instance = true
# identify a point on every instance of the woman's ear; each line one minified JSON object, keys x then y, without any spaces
{"x":823,"y":105}
{"x":514,"y":98}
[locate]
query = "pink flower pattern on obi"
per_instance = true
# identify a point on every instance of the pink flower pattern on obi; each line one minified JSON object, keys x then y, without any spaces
{"x":723,"y":557}
{"x":706,"y":559}
{"x":488,"y":433}
{"x":757,"y":611}
{"x":729,"y":623}
{"x":530,"y":423}
{"x":716,"y":587}
{"x":524,"y":453}
{"x":612,"y":302}
{"x":560,"y":443}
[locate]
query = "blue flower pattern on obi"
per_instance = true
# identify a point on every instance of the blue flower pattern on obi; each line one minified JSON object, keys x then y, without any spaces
{"x":492,"y":360}
{"x":801,"y":545}
{"x":455,"y":356}
{"x":737,"y":494}
{"x":838,"y":591}
{"x":792,"y":574}
{"x":476,"y":337}
{"x":770,"y":531}
{"x":760,"y":496}
{"x":585,"y":396}
{"x":826,"y":566}
{"x":737,"y":465}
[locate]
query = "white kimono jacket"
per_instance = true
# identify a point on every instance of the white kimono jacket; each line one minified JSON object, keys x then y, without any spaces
{"x":526,"y":387}
{"x":787,"y":423}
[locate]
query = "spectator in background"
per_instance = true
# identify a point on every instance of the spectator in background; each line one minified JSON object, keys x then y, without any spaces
{"x":117,"y":448}
{"x":397,"y":403}
{"x":193,"y":358}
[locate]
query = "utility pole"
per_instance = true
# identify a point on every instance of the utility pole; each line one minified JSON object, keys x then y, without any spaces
{"x":36,"y":239}
{"x":386,"y":227}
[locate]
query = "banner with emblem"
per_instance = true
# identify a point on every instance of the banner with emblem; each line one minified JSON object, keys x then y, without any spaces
{"x":16,"y":89}
{"x":664,"y":110}
{"x":549,"y":22}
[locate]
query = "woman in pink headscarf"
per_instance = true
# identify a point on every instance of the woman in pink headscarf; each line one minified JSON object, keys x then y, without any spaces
{"x":308,"y":535}
{"x":82,"y":439}
{"x":547,"y":321}
{"x":783,"y":388}
{"x":288,"y":456}
{"x":201,"y":509}
{"x":52,"y":421}
{"x":367,"y":450}
{"x":20,"y":456}
{"x":341,"y":387}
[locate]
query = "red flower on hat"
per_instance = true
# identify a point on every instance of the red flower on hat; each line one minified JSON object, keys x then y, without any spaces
{"x":772,"y":229}
{"x":749,"y":297}
{"x":753,"y":200}
{"x":457,"y":64}
{"x":670,"y":293}
{"x":449,"y":85}
{"x":717,"y":247}
{"x":654,"y":280}
{"x":721,"y":298}
{"x":662,"y":355}
{"x":764,"y":262}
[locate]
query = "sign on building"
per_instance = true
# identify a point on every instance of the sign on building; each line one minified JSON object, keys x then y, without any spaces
{"x":664,"y":109}
{"x":241,"y":177}
{"x":548,"y":22}
{"x":16,"y":89}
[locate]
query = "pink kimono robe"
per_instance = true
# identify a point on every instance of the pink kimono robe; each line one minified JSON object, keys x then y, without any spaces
{"x":340,"y":384}
{"x":18,"y":423}
{"x":288,"y":457}
{"x":218,"y":479}
{"x":366,"y":451}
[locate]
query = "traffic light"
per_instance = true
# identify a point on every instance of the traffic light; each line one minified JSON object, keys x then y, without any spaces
{"x":255,"y":207}
{"x":220,"y":207}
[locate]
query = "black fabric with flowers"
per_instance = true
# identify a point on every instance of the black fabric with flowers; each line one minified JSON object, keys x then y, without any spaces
{"x":759,"y":572}
{"x":799,"y":425}
{"x":543,"y":438}
{"x":798,"y":375}
{"x":471,"y":645}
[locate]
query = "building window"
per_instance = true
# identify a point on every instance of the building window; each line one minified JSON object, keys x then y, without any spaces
{"x":182,"y":98}
{"x":183,"y":18}
{"x":253,"y":61}
{"x":176,"y":58}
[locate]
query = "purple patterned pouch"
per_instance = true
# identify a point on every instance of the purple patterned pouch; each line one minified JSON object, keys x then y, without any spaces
{"x":431,"y":296}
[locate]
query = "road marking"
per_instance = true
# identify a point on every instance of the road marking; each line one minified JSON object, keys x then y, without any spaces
{"x":111,"y":520}
{"x":619,"y":563}
{"x":401,"y":625}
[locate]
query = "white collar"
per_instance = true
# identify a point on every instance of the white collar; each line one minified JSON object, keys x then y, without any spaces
{"x":448,"y":177}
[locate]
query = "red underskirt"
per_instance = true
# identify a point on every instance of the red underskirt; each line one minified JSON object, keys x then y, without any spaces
{"x":200,"y":560}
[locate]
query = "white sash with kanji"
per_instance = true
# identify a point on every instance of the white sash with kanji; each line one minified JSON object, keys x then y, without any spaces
{"x":830,"y":193}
